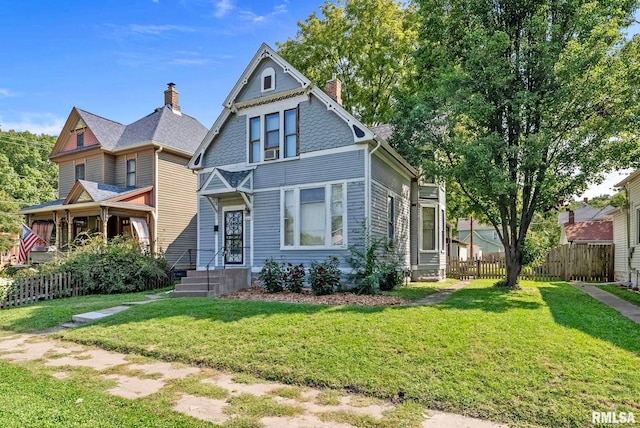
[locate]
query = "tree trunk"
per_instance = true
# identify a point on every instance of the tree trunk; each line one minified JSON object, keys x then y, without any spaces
{"x":513,"y":267}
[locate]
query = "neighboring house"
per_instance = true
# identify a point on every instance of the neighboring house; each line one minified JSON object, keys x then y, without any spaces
{"x":286,"y":172}
{"x":123,"y":180}
{"x":586,"y":225}
{"x":486,"y":243}
{"x":627,"y":232}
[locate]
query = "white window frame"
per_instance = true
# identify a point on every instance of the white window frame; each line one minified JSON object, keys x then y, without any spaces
{"x":262,"y":112}
{"x":268,"y":72}
{"x":436,"y":231}
{"x":296,"y":217}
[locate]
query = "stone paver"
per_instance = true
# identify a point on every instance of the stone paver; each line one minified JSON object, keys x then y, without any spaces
{"x":440,"y":295}
{"x":627,"y":309}
{"x":134,"y":387}
{"x":96,"y":359}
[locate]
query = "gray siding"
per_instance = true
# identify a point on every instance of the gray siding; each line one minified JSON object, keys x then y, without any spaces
{"x":321,"y":128}
{"x":66,"y":178}
{"x":109,"y":169}
{"x":121,"y":168}
{"x":380,"y":220}
{"x":144,"y":169}
{"x":215,"y":184}
{"x":383,"y":173}
{"x":206,"y":220}
{"x":93,"y":169}
{"x":621,"y":267}
{"x":176,"y":205}
{"x":267,"y":224}
{"x":338,"y":166}
{"x":252,"y":89}
{"x":230,"y":145}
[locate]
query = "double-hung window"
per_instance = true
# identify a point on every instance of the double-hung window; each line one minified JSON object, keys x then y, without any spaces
{"x":131,"y":172}
{"x":80,"y":171}
{"x":254,"y":140}
{"x":314,"y":216}
{"x":80,"y":139}
{"x":274,"y":136}
{"x":428,"y":228}
{"x":638,"y":225}
{"x":391,"y":219}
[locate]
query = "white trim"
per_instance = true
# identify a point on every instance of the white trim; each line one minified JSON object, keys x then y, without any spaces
{"x":269,"y":71}
{"x":436,"y":229}
{"x":316,"y":184}
{"x":328,"y":186}
{"x":244,"y":233}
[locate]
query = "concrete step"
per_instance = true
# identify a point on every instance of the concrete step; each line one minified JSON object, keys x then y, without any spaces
{"x":177,"y":293}
{"x":199,"y":279}
{"x":203,"y":273}
{"x":88,"y":317}
{"x":196,"y":287}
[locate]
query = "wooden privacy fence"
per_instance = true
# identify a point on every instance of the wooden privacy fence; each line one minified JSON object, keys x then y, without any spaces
{"x":571,"y":262}
{"x":29,"y":290}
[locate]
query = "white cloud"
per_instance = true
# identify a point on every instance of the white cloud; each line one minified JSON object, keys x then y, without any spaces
{"x":6,"y":93}
{"x":157,"y":30}
{"x":248,"y":15}
{"x":223,"y":7}
{"x":36,"y":123}
{"x":608,"y":185}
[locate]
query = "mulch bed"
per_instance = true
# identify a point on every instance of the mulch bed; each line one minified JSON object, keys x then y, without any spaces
{"x":343,"y":298}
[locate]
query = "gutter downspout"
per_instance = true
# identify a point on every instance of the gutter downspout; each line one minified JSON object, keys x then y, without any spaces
{"x":629,"y":254}
{"x":154,"y":213}
{"x":367,"y":190}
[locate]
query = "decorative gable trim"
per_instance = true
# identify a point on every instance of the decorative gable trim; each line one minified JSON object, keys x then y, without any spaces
{"x":264,"y":52}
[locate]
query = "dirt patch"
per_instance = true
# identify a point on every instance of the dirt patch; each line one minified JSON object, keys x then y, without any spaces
{"x":446,"y":420}
{"x":344,"y":298}
{"x":203,"y":408}
{"x":300,"y":421}
{"x":226,"y":381}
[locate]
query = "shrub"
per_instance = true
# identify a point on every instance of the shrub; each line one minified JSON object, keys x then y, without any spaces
{"x":324,"y":278}
{"x":272,"y":276}
{"x":376,"y":265}
{"x":294,"y":277}
{"x":118,"y":266}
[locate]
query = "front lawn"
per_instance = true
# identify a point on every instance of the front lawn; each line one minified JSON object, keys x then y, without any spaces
{"x":420,"y":290}
{"x":545,"y":355}
{"x":52,"y":313}
{"x":626,"y":294}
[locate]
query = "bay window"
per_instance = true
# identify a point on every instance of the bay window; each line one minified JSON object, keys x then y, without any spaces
{"x":313,"y":216}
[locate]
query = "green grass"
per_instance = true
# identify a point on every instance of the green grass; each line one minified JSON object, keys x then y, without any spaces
{"x":545,"y":355}
{"x":420,"y":290}
{"x":51,"y":313}
{"x":33,"y":398}
{"x":623,"y":293}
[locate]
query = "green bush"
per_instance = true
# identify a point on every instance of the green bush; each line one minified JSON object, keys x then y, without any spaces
{"x":324,"y":278}
{"x":294,"y":277}
{"x":272,"y":276}
{"x":376,"y":266}
{"x":117,"y":266}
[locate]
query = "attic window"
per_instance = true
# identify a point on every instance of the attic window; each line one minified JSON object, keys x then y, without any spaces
{"x":268,"y":79}
{"x":80,"y":139}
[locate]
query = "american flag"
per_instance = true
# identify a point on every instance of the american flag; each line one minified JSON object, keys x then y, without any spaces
{"x":27,"y":240}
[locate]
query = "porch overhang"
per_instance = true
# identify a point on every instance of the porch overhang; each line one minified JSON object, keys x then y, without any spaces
{"x":228,"y":184}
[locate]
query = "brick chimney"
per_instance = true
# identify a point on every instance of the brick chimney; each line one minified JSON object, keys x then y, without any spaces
{"x":585,"y":200}
{"x":333,"y":88}
{"x":171,"y":97}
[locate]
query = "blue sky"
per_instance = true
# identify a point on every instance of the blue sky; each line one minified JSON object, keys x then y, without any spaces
{"x":114,"y":58}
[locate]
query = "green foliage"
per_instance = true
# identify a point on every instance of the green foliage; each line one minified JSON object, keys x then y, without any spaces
{"x":294,"y":277}
{"x":522,"y":104}
{"x":272,"y":276}
{"x":376,"y":265}
{"x":118,"y":266}
{"x":324,"y":277}
{"x":367,"y":44}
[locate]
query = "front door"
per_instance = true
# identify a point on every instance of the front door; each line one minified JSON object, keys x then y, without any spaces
{"x":233,"y":237}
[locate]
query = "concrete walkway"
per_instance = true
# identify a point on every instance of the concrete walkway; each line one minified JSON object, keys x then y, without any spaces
{"x":627,"y":309}
{"x":440,"y":295}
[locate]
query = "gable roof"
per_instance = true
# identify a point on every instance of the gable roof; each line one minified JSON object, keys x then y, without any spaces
{"x":101,"y":191}
{"x":465,"y":224}
{"x":360,"y":132}
{"x":589,"y":231}
{"x":163,"y":127}
{"x":586,"y":212}
{"x":629,"y":178}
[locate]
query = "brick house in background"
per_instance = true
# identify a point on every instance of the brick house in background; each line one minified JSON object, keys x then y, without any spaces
{"x":123,"y":180}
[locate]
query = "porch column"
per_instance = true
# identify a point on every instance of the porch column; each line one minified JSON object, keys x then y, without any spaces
{"x":69,"y":230}
{"x":104,"y":217}
{"x":57,"y":220}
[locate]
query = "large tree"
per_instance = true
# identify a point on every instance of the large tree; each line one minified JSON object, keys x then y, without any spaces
{"x":27,"y":177}
{"x":522,"y":103}
{"x":367,"y":44}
